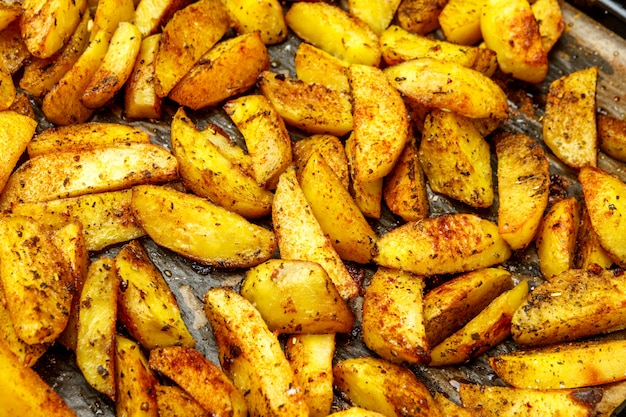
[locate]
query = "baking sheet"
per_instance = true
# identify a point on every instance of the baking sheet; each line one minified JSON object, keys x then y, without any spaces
{"x":585,"y":43}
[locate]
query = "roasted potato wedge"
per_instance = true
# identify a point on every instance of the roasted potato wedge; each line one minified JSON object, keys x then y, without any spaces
{"x":335,"y":31}
{"x":569,"y":124}
{"x":7,"y":88}
{"x":421,"y":248}
{"x":151,"y":15}
{"x":140,"y":98}
{"x":523,"y":187}
{"x":367,"y":194}
{"x":73,"y":173}
{"x":300,"y":235}
{"x":8,"y":14}
{"x":575,"y":304}
{"x":16,"y":133}
{"x":377,"y":14}
{"x":195,"y":374}
{"x":393,"y":317}
{"x":199,"y":229}
{"x":296,"y":297}
{"x":550,"y":20}
{"x":420,"y":16}
{"x":330,"y":148}
{"x":264,"y":16}
{"x":381,"y":386}
{"x":252,"y":357}
{"x":135,"y":395}
{"x":95,"y":348}
{"x":110,"y":13}
{"x":313,"y":65}
{"x":449,"y":86}
{"x":602,"y":192}
{"x":589,"y":250}
{"x":460,"y":21}
{"x":355,"y":412}
{"x":450,"y":408}
{"x":173,"y":401}
{"x":612,"y":136}
{"x":147,"y":307}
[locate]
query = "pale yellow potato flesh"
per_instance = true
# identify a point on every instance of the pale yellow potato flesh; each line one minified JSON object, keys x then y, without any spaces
{"x":264,"y":16}
{"x":16,"y":133}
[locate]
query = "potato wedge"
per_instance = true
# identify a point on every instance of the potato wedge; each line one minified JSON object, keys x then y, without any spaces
{"x":420,"y":16}
{"x":7,"y":88}
{"x":252,"y":357}
{"x":381,"y":124}
{"x":267,"y":138}
{"x":35,"y":280}
{"x":15,"y":53}
{"x":589,"y":250}
{"x":493,"y":401}
{"x":550,"y":20}
{"x":367,"y":195}
{"x":448,"y":307}
{"x":312,"y":108}
{"x":523,"y":188}
{"x":84,"y":135}
{"x":556,"y":237}
{"x":338,"y":215}
{"x":460,"y":21}
{"x":300,"y":235}
{"x":16,"y":132}
{"x":569,"y":124}
{"x":200,"y":378}
{"x":450,"y":408}
{"x":487,"y":329}
{"x":314,"y":65}
{"x":311,"y":358}
{"x":377,"y":14}
{"x":147,"y":307}
{"x":264,"y":16}
{"x":24,"y":393}
{"x":136,"y":383}
{"x":612,"y":136}
{"x":456,"y":159}
{"x":61,"y":105}
{"x":226,"y":70}
{"x":296,"y":297}
{"x":335,"y":31}
{"x":330,"y":148}
{"x":200,"y":230}
{"x":381,"y":386}
{"x":173,"y":401}
{"x":74,"y":173}
{"x":602,"y":193}
{"x":95,"y":348}
{"x":511,"y":30}
{"x":393,"y":317}
{"x":47,"y":24}
{"x":116,"y":67}
{"x":183,"y":44}
{"x":449,"y":86}
{"x":140,"y":98}
{"x":421,"y":248}
{"x":152,"y":15}
{"x":208,"y":173}
{"x":8,"y":14}
{"x":571,"y":365}
{"x":355,"y":412}
{"x":575,"y":304}
{"x":110,"y":13}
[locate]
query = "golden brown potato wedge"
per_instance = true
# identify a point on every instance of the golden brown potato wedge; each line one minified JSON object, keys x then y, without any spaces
{"x":252,"y":357}
{"x":589,"y":250}
{"x":602,"y":192}
{"x":151,"y":15}
{"x":9,"y":13}
{"x":381,"y":386}
{"x":377,"y":14}
{"x":575,"y":304}
{"x":456,"y":159}
{"x":183,"y":44}
{"x":7,"y":88}
{"x":420,"y":247}
{"x":140,"y":98}
{"x":267,"y":139}
{"x":556,"y":237}
{"x":335,"y":31}
{"x":460,"y":21}
{"x":487,"y":329}
{"x":110,"y":13}
{"x":84,"y":135}
{"x":173,"y":401}
{"x":296,"y":297}
{"x":367,"y":194}
{"x":449,"y":86}
{"x":199,"y":229}
{"x":335,"y":210}
{"x":569,"y":124}
{"x":95,"y":348}
{"x":311,"y":358}
{"x":16,"y":132}
{"x":73,"y":173}
{"x":573,"y":365}
{"x":47,"y":24}
{"x":511,"y":30}
{"x":208,"y":173}
{"x":147,"y":307}
{"x":15,"y":54}
{"x":310,"y":107}
{"x":226,"y":70}
{"x":24,"y":393}
{"x":450,"y":408}
{"x":612,"y":136}
{"x":300,"y":235}
{"x":263,"y":16}
{"x":35,"y":279}
{"x":420,"y":16}
{"x":194,"y":373}
{"x":314,"y":65}
{"x":135,"y":395}
{"x":381,"y":124}
{"x":448,"y":307}
{"x":523,"y":187}
{"x":235,"y":153}
{"x":330,"y":148}
{"x":393,"y":317}
{"x":550,"y":20}
{"x":493,"y":401}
